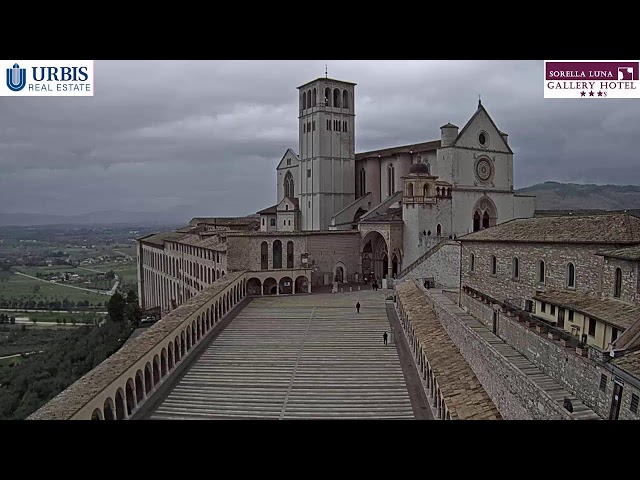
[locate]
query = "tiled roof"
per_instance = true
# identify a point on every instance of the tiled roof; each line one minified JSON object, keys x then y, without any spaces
{"x":159,"y":238}
{"x":463,"y":394}
{"x":416,"y":147}
{"x":615,"y":312}
{"x":630,"y":363}
{"x":224,"y":221}
{"x":617,"y":228}
{"x":628,"y":253}
{"x":69,"y":401}
{"x":269,"y":210}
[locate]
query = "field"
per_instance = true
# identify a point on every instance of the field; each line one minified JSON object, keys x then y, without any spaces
{"x":16,"y":339}
{"x":65,"y":318}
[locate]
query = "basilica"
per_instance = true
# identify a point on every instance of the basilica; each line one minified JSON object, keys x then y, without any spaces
{"x":342,"y":216}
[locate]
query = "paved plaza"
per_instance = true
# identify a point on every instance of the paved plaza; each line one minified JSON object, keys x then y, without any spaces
{"x":297,"y":357}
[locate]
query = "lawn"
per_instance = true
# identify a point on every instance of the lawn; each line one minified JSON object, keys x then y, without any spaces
{"x":18,"y":287}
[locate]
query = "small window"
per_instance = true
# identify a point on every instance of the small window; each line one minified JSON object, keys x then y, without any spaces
{"x":571,"y":315}
{"x":313,"y":125}
{"x":286,"y":206}
{"x":543,"y":307}
{"x":541,"y":271}
{"x":308,"y":127}
{"x":288,"y":161}
{"x":494,"y":265}
{"x":273,"y":222}
{"x":634,"y":403}
{"x":304,"y":128}
{"x":309,"y":203}
{"x":262,"y":220}
{"x":553,"y":310}
{"x":345,"y":126}
{"x":592,"y":327}
{"x":516,"y":267}
{"x":617,"y":288}
{"x":571,"y":276}
{"x":308,"y":173}
{"x":482,"y":138}
{"x":603,"y":383}
{"x":439,"y":230}
{"x":472,"y":262}
{"x":614,"y":334}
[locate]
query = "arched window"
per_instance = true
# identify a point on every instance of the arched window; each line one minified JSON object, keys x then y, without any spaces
{"x":472,"y":263}
{"x":345,"y":99}
{"x":516,"y":267}
{"x":289,"y":254}
{"x":304,"y":100}
{"x":571,"y":275}
{"x":541,"y":274}
{"x":264,"y":256}
{"x":289,"y":190}
{"x":327,"y":97}
{"x":485,"y":220}
{"x":410,"y":189}
{"x":390,"y":180}
{"x":476,"y":221}
{"x":363,"y":182}
{"x":277,"y":254}
{"x":428,"y":169}
{"x":336,"y":98}
{"x":617,"y":288}
{"x":313,"y":98}
{"x":425,"y":190}
{"x":308,"y":98}
{"x":439,"y":230}
{"x":494,"y":265}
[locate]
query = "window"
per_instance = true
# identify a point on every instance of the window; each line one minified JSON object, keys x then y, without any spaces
{"x":264,"y":256}
{"x":344,"y":126}
{"x":327,"y":97}
{"x":277,"y":254}
{"x":494,"y":265}
{"x":273,"y":222}
{"x":603,"y":383}
{"x":592,"y":327}
{"x":288,"y":161}
{"x":363,"y":182}
{"x":289,"y":190}
{"x":553,"y":310}
{"x":289,"y":254}
{"x":614,"y":334}
{"x":304,"y":100}
{"x":472,"y":262}
{"x":313,"y":98}
{"x":409,"y":189}
{"x":345,"y":100}
{"x":439,"y":230}
{"x":482,"y":138}
{"x":571,"y":276}
{"x":543,"y":307}
{"x":617,"y":288}
{"x":313,"y":125}
{"x":634,"y":403}
{"x":541,"y":271}
{"x":571,"y":315}
{"x":308,"y":173}
{"x":328,"y":124}
{"x":516,"y":267}
{"x":286,"y":206}
{"x":390,"y":180}
{"x":336,"y":98}
{"x":304,"y":128}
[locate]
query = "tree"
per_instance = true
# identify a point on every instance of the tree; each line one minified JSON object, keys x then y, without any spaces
{"x":12,"y":320}
{"x":34,"y":320}
{"x":110,"y":275}
{"x":36,"y":288}
{"x":116,"y":307}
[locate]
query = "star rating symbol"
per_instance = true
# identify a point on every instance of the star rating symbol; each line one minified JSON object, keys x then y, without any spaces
{"x":599,"y":94}
{"x":583,"y":93}
{"x":591,"y":93}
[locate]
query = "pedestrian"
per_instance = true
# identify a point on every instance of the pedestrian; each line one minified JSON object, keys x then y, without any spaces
{"x":358,"y":307}
{"x":384,"y":337}
{"x":568,"y":405}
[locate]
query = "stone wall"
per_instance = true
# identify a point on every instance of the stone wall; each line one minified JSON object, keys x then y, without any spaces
{"x":503,"y":285}
{"x":629,"y":269}
{"x":515,"y":395}
{"x":328,"y":250}
{"x":243,"y":252}
{"x":579,"y":375}
{"x":443,"y":265}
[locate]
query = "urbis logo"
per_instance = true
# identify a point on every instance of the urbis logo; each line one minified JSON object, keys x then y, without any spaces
{"x":60,"y":78}
{"x":16,"y":78}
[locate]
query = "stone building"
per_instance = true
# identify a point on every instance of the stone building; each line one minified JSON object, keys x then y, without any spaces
{"x":574,"y":281}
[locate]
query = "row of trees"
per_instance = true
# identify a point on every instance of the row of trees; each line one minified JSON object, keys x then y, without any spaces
{"x":64,"y":304}
{"x":27,"y":386}
{"x":4,"y":319}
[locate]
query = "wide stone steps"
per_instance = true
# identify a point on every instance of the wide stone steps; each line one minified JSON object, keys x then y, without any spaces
{"x":310,"y":357}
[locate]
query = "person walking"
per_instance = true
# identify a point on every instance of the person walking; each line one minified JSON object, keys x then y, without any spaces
{"x":358,"y":307}
{"x":384,"y":337}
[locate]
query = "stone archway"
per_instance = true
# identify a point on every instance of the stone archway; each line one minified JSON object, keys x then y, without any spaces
{"x":340,"y":273}
{"x":302,"y":284}
{"x":286,"y":285}
{"x":374,"y":251}
{"x":254,"y":286}
{"x":484,"y":214}
{"x":270,"y":286}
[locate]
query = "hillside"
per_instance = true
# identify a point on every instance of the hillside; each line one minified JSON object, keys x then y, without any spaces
{"x":568,"y":196}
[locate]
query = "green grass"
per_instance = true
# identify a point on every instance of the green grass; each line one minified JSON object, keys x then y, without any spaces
{"x":52,"y":317}
{"x":20,"y":287}
{"x":33,"y":271}
{"x":8,"y":361}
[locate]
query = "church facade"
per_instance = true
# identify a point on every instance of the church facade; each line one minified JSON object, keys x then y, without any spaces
{"x":346,"y":217}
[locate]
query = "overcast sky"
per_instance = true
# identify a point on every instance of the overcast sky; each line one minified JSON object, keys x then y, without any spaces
{"x":205,"y":136}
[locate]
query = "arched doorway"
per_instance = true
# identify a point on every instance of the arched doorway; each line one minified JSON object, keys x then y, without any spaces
{"x":302,"y":285}
{"x":375,"y":261}
{"x":131,"y":402}
{"x":254,"y":286}
{"x":139,"y":386}
{"x":108,"y":409}
{"x":394,"y":266}
{"x":270,"y":286}
{"x":97,"y":415}
{"x":340,"y":273}
{"x":385,"y":265}
{"x":286,"y":285}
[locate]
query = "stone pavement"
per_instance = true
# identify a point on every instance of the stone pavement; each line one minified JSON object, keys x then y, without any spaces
{"x":537,"y":376}
{"x":297,"y":357}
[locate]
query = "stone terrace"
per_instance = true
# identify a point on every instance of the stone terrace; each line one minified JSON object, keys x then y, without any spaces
{"x":462,"y":393}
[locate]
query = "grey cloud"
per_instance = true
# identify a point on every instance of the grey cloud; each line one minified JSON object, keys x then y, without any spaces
{"x":206,"y":136}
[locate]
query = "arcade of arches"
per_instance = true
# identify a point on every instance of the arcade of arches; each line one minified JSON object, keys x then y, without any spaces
{"x":485,"y":214}
{"x":376,"y":261}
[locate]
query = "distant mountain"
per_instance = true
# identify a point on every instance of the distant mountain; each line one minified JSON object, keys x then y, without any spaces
{"x":101,"y":218}
{"x":573,"y":196}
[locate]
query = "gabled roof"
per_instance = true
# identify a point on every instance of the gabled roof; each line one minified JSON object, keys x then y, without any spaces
{"x":617,"y":228}
{"x":293,"y":201}
{"x":628,"y":253}
{"x":288,"y":151}
{"x":481,"y":109}
{"x":415,"y":147}
{"x":272,"y":210}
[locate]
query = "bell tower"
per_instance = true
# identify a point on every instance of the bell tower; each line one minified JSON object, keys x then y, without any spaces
{"x":327,"y":150}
